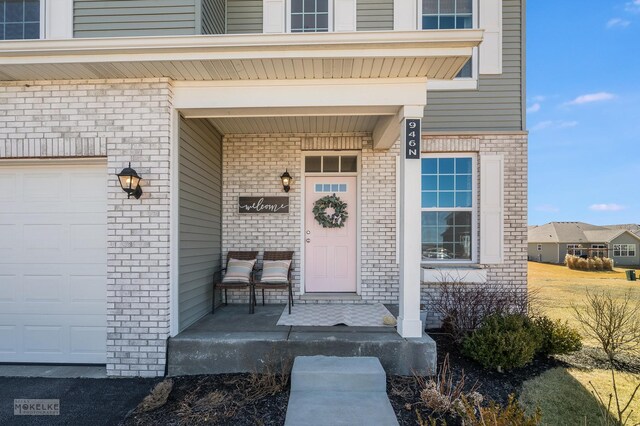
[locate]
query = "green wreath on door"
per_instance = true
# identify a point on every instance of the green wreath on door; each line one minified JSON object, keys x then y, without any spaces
{"x":334,"y":220}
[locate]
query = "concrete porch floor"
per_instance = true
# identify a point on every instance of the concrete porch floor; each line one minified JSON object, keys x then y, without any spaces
{"x":233,"y":341}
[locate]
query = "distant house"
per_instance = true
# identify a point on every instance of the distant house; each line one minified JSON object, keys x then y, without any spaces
{"x":634,"y":228}
{"x":551,"y":242}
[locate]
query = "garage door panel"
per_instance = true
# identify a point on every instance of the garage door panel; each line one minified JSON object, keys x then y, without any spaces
{"x":87,"y":340}
{"x":43,"y":186}
{"x":9,"y":284}
{"x":88,"y":290}
{"x":8,"y":235}
{"x":10,"y":339}
{"x":44,"y":339}
{"x":84,"y":187}
{"x":47,"y":290}
{"x":7,"y":189}
{"x":53,"y":241}
{"x":43,"y":237}
{"x":87,"y":236}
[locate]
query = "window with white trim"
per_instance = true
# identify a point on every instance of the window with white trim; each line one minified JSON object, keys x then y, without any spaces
{"x":309,"y":16}
{"x":331,"y":164}
{"x":598,"y":250}
{"x":574,"y":249}
{"x":19,"y":19}
{"x":624,"y":250}
{"x":449,"y":15}
{"x":448,"y":206}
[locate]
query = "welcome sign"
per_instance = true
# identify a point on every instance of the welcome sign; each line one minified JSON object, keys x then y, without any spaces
{"x":263,"y":204}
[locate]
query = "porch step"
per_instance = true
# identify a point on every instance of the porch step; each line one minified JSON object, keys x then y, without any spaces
{"x":338,"y":391}
{"x":331,"y":373}
{"x":232,"y":341}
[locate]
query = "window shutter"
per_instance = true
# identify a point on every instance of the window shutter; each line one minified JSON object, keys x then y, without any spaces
{"x":58,"y":19}
{"x":405,"y":15}
{"x":490,"y":20}
{"x":273,"y":13}
{"x":344,"y":12}
{"x":491,"y":209}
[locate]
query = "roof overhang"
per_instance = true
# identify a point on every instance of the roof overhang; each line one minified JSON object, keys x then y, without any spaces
{"x":383,"y":54}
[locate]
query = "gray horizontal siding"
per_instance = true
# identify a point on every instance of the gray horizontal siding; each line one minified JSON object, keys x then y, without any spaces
{"x":200,"y":217}
{"x":374,"y":15}
{"x":213,"y":16}
{"x":244,"y":16}
{"x":497,"y":104}
{"x":121,"y":18}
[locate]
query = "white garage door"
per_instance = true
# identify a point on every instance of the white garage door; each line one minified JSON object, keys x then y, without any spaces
{"x":53,"y":263}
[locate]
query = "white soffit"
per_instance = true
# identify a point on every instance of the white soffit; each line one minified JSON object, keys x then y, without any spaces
{"x":298,"y":124}
{"x":392,"y":54}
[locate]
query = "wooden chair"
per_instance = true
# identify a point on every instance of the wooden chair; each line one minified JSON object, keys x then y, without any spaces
{"x":276,"y":255}
{"x":217,"y":278}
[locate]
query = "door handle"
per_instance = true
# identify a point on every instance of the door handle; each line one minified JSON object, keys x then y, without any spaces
{"x":308,"y":240}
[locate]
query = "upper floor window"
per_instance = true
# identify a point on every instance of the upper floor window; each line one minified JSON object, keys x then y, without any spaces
{"x":448,"y":15}
{"x":309,"y":16}
{"x":19,"y":19}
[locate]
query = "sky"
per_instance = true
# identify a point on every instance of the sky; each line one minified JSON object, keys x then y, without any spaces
{"x":583,"y":111}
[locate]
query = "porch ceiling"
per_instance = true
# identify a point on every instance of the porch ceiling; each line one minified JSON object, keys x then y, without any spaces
{"x":384,"y":54}
{"x":297,"y":124}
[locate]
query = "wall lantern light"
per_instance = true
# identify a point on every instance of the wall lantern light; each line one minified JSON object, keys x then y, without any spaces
{"x":286,"y":181}
{"x":130,"y":182}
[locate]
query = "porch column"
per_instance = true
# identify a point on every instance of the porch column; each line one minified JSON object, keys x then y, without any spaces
{"x":409,"y":324}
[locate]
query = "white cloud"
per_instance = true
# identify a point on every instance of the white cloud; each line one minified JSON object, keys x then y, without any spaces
{"x":534,"y":108}
{"x":606,"y":207}
{"x":547,"y":208}
{"x":633,"y":6}
{"x":618,"y":23}
{"x":591,"y":97}
{"x":551,"y":124}
{"x":539,"y":98}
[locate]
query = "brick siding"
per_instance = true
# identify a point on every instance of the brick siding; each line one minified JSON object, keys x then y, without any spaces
{"x":124,"y":120}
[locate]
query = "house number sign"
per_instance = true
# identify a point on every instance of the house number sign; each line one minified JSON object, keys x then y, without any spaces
{"x":263,"y":204}
{"x":412,"y":132}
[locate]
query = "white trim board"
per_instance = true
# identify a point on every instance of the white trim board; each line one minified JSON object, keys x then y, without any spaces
{"x":457,"y":275}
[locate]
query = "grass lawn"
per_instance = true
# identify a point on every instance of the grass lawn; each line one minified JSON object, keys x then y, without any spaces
{"x":564,"y":394}
{"x":558,"y":287}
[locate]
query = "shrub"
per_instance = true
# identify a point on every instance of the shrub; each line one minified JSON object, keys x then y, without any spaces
{"x":589,"y":264}
{"x":599,"y":264}
{"x":557,"y":337}
{"x":463,"y":307}
{"x":570,"y":261}
{"x":615,"y":324}
{"x":503,"y":342}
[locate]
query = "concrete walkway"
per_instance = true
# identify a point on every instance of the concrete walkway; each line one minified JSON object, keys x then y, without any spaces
{"x":335,"y":391}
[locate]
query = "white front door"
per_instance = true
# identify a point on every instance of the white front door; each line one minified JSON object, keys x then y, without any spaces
{"x":330,"y":253}
{"x":53,"y":263}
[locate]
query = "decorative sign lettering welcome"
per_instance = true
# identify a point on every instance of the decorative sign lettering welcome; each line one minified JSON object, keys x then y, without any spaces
{"x":263,"y":204}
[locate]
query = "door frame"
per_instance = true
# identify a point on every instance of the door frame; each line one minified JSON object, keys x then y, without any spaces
{"x":303,"y":188}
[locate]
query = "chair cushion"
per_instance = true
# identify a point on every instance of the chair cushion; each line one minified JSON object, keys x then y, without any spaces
{"x":238,"y":271}
{"x":275,"y":271}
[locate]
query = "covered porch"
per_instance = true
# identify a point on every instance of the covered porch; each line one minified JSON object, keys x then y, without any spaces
{"x":333,"y":118}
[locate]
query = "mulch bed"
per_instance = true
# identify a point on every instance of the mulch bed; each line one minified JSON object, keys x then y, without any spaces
{"x":491,"y":384}
{"x":250,"y":399}
{"x":222,"y":399}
